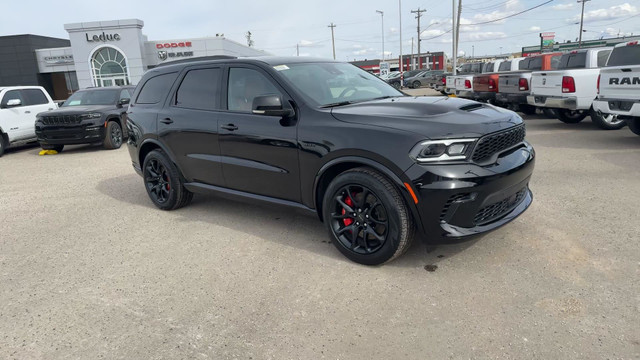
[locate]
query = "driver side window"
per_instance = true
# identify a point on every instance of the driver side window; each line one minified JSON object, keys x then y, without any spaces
{"x":11,"y":95}
{"x":244,"y":86}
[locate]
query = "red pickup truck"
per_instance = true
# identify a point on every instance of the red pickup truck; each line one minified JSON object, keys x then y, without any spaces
{"x":485,"y":85}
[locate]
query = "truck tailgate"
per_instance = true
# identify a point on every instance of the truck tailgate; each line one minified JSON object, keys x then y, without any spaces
{"x":509,"y":83}
{"x":620,"y":82}
{"x":548,"y":83}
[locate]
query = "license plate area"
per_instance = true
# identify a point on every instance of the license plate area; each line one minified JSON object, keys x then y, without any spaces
{"x":540,"y":99}
{"x":620,"y":105}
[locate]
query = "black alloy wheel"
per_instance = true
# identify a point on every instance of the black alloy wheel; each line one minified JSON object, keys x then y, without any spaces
{"x":163,"y":182}
{"x":116,"y":136}
{"x":359,"y":220}
{"x":157,"y":181}
{"x":367,"y":217}
{"x":113,"y":135}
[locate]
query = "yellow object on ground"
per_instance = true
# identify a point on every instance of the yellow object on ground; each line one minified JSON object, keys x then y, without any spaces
{"x":452,"y":95}
{"x":47,"y":152}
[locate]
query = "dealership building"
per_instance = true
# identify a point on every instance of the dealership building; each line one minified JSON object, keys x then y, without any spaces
{"x":100,"y":53}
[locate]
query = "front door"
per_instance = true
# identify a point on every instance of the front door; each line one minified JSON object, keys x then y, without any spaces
{"x":13,"y":117}
{"x":259,"y":154}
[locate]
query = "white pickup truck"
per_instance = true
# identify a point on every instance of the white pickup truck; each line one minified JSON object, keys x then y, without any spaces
{"x":571,"y":89}
{"x":19,"y":106}
{"x":619,"y":85}
{"x":462,"y":83}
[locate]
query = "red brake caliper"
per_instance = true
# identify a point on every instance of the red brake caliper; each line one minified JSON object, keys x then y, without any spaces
{"x":347,"y":201}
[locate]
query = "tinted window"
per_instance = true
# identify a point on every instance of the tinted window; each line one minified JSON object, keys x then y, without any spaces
{"x":488,"y":67}
{"x":573,"y":61}
{"x":156,"y":89}
{"x":533,"y":63}
{"x":625,"y":55}
{"x":199,"y":90}
{"x":125,"y":94}
{"x":555,"y":61}
{"x":244,"y":86}
{"x":34,"y":97}
{"x":602,"y":57}
{"x":505,"y":66}
{"x":10,"y":95}
{"x":465,"y":69}
{"x":476,"y":68}
{"x":93,"y":97}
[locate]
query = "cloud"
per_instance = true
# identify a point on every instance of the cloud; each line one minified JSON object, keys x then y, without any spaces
{"x":616,"y":32}
{"x":431,"y":33}
{"x":492,"y":16}
{"x":514,"y":4}
{"x":307,"y":43}
{"x":563,"y":6}
{"x":486,"y":35}
{"x":613,"y":12}
{"x":535,"y":28}
{"x":393,"y":30}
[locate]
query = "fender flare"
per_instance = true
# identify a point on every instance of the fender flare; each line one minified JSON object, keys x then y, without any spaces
{"x":397,"y":180}
{"x":158,"y":144}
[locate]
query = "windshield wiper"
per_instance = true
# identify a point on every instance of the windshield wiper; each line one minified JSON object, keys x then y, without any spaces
{"x":340,"y":103}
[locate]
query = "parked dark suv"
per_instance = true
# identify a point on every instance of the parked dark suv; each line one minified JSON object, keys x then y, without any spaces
{"x":91,"y":115}
{"x":373,"y":163}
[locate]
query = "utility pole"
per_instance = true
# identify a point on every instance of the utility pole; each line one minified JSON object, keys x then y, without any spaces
{"x":453,"y":32}
{"x":333,"y":42}
{"x":473,"y":52}
{"x":382,"y":17}
{"x":581,"y":20}
{"x":400,"y":17}
{"x":458,"y":25}
{"x":297,"y":49}
{"x":413,"y":66}
{"x":418,"y":16}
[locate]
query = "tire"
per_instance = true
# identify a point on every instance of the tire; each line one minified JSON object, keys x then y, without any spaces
{"x":527,"y":109}
{"x":571,"y":116}
{"x":3,"y":144}
{"x":634,"y":125}
{"x":607,"y":121}
{"x":385,"y":229}
{"x":57,"y":148}
{"x":113,"y":136}
{"x":396,"y":85}
{"x":163,"y":182}
{"x":443,"y":92}
{"x":550,"y":113}
{"x":416,"y":84}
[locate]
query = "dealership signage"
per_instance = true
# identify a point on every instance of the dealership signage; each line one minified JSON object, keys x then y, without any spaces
{"x":58,"y":60}
{"x":384,"y":68}
{"x":164,"y":55}
{"x":102,"y":37}
{"x":546,"y":40}
{"x":173,"y":45}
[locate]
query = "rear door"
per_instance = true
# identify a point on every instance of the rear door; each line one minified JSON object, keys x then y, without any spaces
{"x":189,"y":125}
{"x":259,"y":153}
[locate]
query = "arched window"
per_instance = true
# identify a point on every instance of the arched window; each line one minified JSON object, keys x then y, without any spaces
{"x":109,"y":67}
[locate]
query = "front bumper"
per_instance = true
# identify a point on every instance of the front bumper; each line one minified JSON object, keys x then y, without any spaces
{"x":69,"y":135}
{"x":617,"y":106}
{"x":459,"y":201}
{"x":520,"y":99}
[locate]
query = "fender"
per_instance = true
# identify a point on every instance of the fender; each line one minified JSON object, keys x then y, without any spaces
{"x":160,"y":145}
{"x":379,"y":167}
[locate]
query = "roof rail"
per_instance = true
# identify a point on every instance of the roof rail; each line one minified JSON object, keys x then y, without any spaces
{"x":200,"y":58}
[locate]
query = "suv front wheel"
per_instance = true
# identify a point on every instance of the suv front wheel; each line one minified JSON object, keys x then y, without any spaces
{"x":367,"y":217}
{"x":163,"y":182}
{"x":113,"y":136}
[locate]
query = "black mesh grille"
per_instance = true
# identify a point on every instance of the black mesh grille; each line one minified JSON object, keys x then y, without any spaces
{"x":447,"y":205}
{"x":498,"y":209}
{"x":494,"y":143}
{"x":61,"y":120}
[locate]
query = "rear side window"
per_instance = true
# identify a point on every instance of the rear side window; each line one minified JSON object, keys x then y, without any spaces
{"x":555,"y":61}
{"x":199,"y":90}
{"x":602,"y":57}
{"x":155,"y":89}
{"x":488,"y":67}
{"x":34,"y":97}
{"x":573,"y":61}
{"x":505,"y":66}
{"x":476,"y":68}
{"x":466,"y":68}
{"x":625,"y":55}
{"x":533,"y":64}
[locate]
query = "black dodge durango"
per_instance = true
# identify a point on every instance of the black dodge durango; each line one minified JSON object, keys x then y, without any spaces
{"x":376,"y":165}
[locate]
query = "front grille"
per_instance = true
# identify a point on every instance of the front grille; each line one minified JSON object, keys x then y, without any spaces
{"x":61,"y":120}
{"x":492,"y":212}
{"x":496,"y":142}
{"x":447,"y":205}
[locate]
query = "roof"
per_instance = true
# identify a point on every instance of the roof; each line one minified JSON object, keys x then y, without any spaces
{"x":108,"y":88}
{"x":269,"y":60}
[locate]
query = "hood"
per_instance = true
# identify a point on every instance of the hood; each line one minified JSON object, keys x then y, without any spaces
{"x":432,"y":117}
{"x":81,"y":109}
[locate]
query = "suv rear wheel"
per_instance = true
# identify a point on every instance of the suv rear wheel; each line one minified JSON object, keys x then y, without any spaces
{"x":2,"y":144}
{"x":571,"y":116}
{"x":416,"y":84}
{"x":163,"y":182}
{"x":367,"y":217}
{"x":113,"y":136}
{"x":606,"y":121}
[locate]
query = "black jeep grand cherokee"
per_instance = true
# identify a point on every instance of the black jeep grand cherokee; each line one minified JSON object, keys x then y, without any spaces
{"x":328,"y":137}
{"x":88,"y":116}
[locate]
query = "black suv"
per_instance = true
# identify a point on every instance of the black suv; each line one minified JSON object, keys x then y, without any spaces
{"x":91,"y":115}
{"x":373,"y":163}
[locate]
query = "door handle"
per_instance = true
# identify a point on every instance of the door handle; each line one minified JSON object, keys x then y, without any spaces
{"x":166,"y":121}
{"x":27,"y":112}
{"x":230,"y":127}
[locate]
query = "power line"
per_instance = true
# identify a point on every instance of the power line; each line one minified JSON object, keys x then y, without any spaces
{"x":512,"y":15}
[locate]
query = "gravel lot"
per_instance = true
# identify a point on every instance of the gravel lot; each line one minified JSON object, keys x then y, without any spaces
{"x":90,"y":269}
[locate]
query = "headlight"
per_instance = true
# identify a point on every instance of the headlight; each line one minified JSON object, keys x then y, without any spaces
{"x":442,"y":150}
{"x":90,"y":116}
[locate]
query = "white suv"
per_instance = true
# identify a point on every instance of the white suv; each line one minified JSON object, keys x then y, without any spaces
{"x":19,"y":106}
{"x":619,"y":85}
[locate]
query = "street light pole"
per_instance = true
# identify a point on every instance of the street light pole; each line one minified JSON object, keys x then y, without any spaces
{"x":400,"y":13}
{"x":382,"y":20}
{"x":453,"y":31}
{"x":581,"y":21}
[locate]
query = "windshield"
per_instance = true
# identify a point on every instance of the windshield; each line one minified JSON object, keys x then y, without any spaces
{"x":331,"y":83}
{"x":93,"y":97}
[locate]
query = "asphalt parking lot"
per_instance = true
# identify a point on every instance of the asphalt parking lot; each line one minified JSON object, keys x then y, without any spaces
{"x":90,"y":269}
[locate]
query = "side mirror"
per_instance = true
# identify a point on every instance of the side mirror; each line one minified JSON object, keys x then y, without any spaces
{"x":270,"y":105}
{"x":123,"y":101}
{"x":14,"y":102}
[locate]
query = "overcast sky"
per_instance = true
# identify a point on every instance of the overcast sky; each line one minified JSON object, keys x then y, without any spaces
{"x":278,"y":25}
